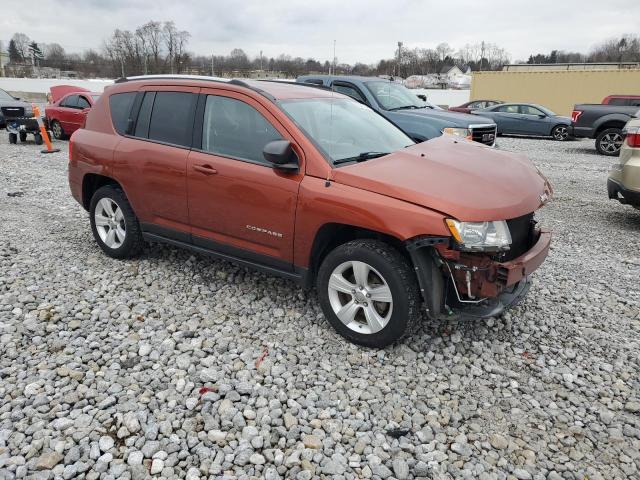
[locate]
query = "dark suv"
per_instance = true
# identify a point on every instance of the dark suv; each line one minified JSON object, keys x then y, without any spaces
{"x":415,"y":116}
{"x":315,"y":187}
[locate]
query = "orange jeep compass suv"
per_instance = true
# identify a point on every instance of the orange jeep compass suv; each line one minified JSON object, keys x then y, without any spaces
{"x":311,"y":185}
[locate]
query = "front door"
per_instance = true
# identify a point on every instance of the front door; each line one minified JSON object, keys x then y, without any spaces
{"x":238,"y":203}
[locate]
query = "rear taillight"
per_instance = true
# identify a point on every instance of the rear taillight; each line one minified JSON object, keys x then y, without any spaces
{"x":632,"y":135}
{"x":575,"y":115}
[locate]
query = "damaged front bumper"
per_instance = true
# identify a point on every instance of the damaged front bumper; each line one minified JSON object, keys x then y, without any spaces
{"x":474,"y":285}
{"x":484,"y":288}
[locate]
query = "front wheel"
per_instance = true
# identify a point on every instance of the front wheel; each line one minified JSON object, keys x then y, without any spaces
{"x":13,"y":138}
{"x":369,"y":293}
{"x":114,"y":225}
{"x":38,"y":138}
{"x":23,"y":137}
{"x":560,"y":133}
{"x":609,"y":142}
{"x":56,"y":129}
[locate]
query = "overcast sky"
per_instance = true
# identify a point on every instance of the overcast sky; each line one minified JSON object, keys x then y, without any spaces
{"x":365,"y":30}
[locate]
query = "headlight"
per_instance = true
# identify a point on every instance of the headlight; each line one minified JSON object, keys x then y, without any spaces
{"x":480,"y":235}
{"x":458,"y":132}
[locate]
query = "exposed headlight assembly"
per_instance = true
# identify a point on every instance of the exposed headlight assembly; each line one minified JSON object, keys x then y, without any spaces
{"x":480,"y":236}
{"x":458,"y":132}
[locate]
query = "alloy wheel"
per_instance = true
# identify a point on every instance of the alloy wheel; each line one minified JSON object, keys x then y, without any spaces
{"x":110,"y":223}
{"x":611,"y":142}
{"x":560,"y":133}
{"x":360,"y":297}
{"x":57,"y":130}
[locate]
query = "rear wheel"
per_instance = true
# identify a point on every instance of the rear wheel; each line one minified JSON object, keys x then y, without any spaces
{"x":13,"y":138}
{"x":609,"y":142}
{"x":113,"y":223}
{"x":23,"y":136}
{"x":560,"y":133}
{"x":368,"y":293}
{"x":56,"y":129}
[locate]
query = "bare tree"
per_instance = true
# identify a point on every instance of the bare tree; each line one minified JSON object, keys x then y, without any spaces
{"x":21,"y":41}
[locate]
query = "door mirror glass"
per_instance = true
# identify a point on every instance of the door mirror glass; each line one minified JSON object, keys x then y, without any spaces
{"x":281,"y":155}
{"x":422,"y":97}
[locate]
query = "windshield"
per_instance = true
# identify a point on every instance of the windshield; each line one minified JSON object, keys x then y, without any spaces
{"x":5,"y":96}
{"x":343,"y":128}
{"x":393,"y":96}
{"x":546,"y":110}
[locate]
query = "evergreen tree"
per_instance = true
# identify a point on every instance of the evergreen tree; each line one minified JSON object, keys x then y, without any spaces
{"x":14,"y":53}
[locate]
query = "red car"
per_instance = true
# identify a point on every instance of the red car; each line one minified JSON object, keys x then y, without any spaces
{"x":69,"y":109}
{"x":474,"y":105}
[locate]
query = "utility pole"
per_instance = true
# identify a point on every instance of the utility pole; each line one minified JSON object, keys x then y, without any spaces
{"x":399,"y":58}
{"x":481,"y":55}
{"x":261,"y":60}
{"x":334,"y":57}
{"x":212,"y":65}
{"x":122,"y":66}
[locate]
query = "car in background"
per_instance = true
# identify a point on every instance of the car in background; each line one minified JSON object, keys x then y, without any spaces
{"x":69,"y":109}
{"x":412,"y":113}
{"x":527,"y":119}
{"x":623,"y":183}
{"x":474,"y":105}
{"x":15,"y":107}
{"x":622,"y":100}
{"x":604,"y":123}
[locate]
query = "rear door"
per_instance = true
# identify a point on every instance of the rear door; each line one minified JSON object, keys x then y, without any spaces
{"x":238,"y":204}
{"x":151,"y":159}
{"x":508,"y":119}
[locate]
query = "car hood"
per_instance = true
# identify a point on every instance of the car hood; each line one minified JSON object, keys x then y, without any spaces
{"x":60,"y":91}
{"x":455,"y":119}
{"x":462,"y":179}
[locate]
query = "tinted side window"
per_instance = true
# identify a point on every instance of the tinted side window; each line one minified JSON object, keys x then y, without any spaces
{"x":528,"y":110}
{"x":172,"y":118}
{"x":71,"y":101}
{"x":232,"y":128}
{"x":120,"y":106}
{"x":314,"y":81}
{"x":348,"y":90}
{"x":508,"y":109}
{"x":144,"y":116}
{"x":83,"y":103}
{"x":618,"y":101}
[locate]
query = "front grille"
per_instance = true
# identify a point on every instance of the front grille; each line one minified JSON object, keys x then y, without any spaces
{"x":486,"y":135}
{"x":12,"y":112}
{"x":522,"y":231}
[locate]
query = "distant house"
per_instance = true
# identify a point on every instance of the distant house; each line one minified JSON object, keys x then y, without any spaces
{"x":451,"y":72}
{"x":452,"y":77}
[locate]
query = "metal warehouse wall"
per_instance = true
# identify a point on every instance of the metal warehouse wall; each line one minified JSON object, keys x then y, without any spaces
{"x":557,"y":90}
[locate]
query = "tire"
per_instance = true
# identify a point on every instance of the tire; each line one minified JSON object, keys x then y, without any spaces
{"x":56,"y":129}
{"x":13,"y":138}
{"x":609,"y":142}
{"x":560,"y":133}
{"x":125,"y":241}
{"x":37,"y":138}
{"x":23,"y":136}
{"x":369,"y":323}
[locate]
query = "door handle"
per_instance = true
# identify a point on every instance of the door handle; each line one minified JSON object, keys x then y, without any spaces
{"x":206,"y":169}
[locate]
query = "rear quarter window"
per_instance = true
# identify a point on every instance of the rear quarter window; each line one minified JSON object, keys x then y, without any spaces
{"x":120,"y":107}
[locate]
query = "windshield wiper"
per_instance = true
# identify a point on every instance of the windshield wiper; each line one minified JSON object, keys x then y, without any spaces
{"x":361,"y":157}
{"x":404,"y":107}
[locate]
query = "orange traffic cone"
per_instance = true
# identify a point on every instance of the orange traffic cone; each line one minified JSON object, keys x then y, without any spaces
{"x":43,"y":131}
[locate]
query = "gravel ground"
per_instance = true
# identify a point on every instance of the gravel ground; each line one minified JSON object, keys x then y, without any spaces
{"x":178,"y":366}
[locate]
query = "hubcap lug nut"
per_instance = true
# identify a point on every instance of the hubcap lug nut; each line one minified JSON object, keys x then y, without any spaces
{"x":368,"y":295}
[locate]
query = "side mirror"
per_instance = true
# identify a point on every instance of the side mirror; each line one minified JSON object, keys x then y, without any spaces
{"x":542,"y":115}
{"x":17,"y":98}
{"x":422,"y":97}
{"x":281,"y":155}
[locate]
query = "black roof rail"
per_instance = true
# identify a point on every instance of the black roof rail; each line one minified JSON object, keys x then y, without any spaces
{"x":231,"y":81}
{"x":302,"y":84}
